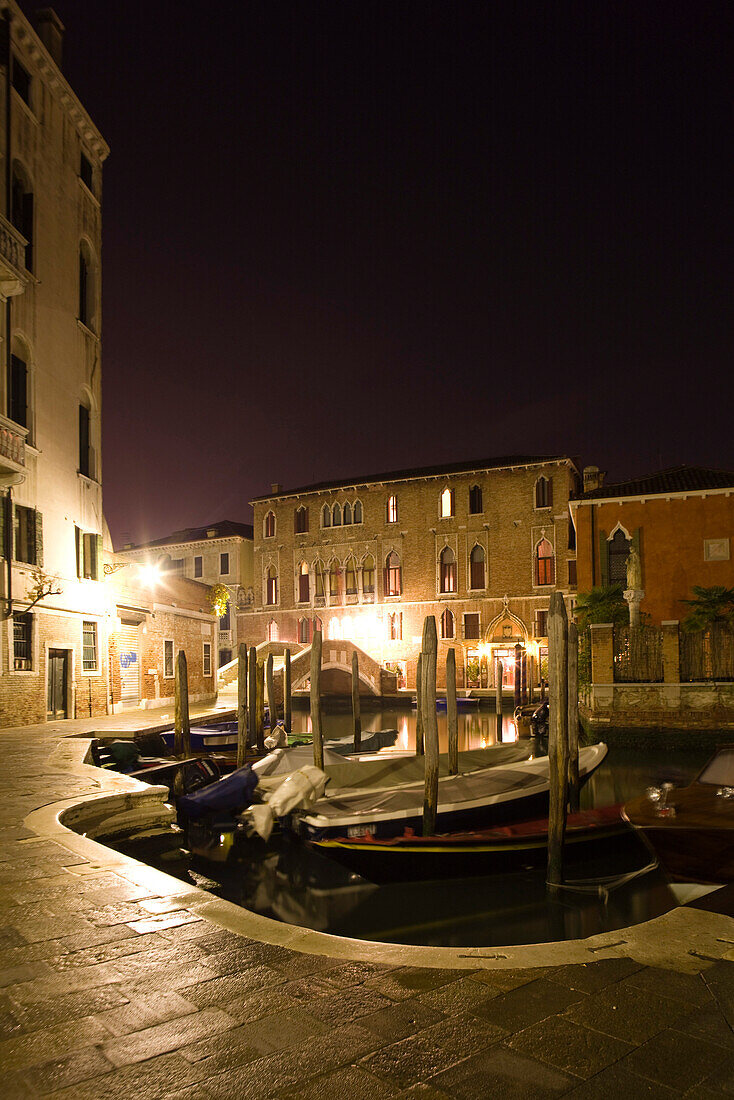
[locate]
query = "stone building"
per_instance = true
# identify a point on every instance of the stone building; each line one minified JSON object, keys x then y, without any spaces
{"x":679,"y":520}
{"x":480,"y":545}
{"x":220,"y":553}
{"x":52,"y":652}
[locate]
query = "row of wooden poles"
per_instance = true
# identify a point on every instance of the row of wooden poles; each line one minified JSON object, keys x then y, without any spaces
{"x":563,"y":739}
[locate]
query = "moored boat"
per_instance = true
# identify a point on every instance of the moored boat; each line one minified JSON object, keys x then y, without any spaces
{"x":691,"y":829}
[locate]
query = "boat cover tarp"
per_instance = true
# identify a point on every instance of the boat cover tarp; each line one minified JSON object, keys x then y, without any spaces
{"x":234,"y":792}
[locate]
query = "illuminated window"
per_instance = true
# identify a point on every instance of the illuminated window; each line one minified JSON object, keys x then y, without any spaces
{"x":347,"y":513}
{"x":368,"y":574}
{"x":350,"y":578}
{"x":544,"y":492}
{"x":273,"y":631}
{"x":475,"y":501}
{"x":393,"y":578}
{"x":300,"y":520}
{"x":334,"y":580}
{"x":447,"y":570}
{"x":358,"y":511}
{"x":447,"y":624}
{"x":395,"y":626}
{"x":326,"y":516}
{"x":269,"y":527}
{"x":319,"y":578}
{"x":391,"y":511}
{"x":447,"y":503}
{"x":304,"y":593}
{"x":545,"y":571}
{"x":336,"y":516}
{"x":476,"y":567}
{"x":272,"y":585}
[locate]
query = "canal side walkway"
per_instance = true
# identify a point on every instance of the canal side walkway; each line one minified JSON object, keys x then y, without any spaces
{"x":119,"y":981}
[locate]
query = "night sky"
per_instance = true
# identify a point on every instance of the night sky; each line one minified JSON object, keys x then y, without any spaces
{"x":356,"y":236}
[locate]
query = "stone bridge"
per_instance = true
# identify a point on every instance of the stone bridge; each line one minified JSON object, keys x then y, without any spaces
{"x":336,"y":669}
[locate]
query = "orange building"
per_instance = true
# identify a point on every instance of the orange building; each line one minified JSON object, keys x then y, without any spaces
{"x":681,"y":521}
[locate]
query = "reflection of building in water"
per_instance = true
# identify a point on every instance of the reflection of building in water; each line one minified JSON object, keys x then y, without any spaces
{"x":480,"y":546}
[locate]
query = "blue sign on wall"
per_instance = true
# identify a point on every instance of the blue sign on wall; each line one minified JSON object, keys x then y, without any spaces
{"x":127,"y":659}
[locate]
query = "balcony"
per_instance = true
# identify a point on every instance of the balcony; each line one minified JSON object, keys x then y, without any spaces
{"x":13,"y":275}
{"x":12,"y":453}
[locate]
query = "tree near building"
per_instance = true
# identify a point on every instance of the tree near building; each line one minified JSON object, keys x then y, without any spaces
{"x":603,"y":604}
{"x":712,"y":606}
{"x":219,"y":597}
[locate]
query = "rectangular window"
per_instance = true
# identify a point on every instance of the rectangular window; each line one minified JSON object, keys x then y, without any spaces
{"x":207,"y":659}
{"x":303,"y":588}
{"x":85,"y":172}
{"x":471,"y":625}
{"x":21,"y":81}
{"x":25,"y":535}
{"x":176,"y":567}
{"x":572,"y":572}
{"x":88,"y":550}
{"x":168,"y":659}
{"x":223,"y":565}
{"x":198,"y":566}
{"x":18,"y":391}
{"x":89,"y":654}
{"x":300,"y":520}
{"x":393,"y":581}
{"x":22,"y":635}
{"x":391,"y":514}
{"x":541,"y":624}
{"x":224,"y":620}
{"x":475,"y":501}
{"x":395,"y":626}
{"x":84,"y":464}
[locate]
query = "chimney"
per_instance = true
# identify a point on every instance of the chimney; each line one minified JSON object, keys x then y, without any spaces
{"x":593,"y":478}
{"x":275,"y":486}
{"x":50,"y":30}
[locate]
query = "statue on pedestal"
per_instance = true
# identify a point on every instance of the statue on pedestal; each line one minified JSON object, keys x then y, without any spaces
{"x":634,"y":593}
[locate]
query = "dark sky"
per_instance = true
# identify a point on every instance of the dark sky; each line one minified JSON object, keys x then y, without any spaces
{"x":358,"y":236}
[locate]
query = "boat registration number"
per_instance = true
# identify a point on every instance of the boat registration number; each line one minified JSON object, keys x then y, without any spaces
{"x":361,"y":830}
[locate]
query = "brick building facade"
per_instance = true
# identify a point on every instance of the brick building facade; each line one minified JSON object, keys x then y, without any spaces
{"x":479,"y":545}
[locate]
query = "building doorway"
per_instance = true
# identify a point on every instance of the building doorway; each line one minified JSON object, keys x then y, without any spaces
{"x":129,"y":664}
{"x":57,"y":705}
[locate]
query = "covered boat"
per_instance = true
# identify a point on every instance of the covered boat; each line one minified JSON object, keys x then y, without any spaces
{"x":691,"y":829}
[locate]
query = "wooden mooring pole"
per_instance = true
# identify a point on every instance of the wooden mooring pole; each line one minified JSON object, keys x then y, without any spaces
{"x":241,"y":704}
{"x":287,"y":701}
{"x":182,"y":726}
{"x":558,"y":735}
{"x":419,"y":705}
{"x":260,"y":730}
{"x":316,"y":725}
{"x":252,"y":698}
{"x":356,"y":716}
{"x":272,"y":706}
{"x":430,"y":724}
{"x":573,"y":717}
{"x":452,"y":713}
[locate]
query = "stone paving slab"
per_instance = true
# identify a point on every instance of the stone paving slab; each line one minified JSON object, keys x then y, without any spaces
{"x":116,"y":982}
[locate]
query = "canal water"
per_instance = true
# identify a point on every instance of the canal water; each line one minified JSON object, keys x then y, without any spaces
{"x":288,"y":882}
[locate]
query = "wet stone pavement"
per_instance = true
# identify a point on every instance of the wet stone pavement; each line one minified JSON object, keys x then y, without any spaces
{"x":109,"y":990}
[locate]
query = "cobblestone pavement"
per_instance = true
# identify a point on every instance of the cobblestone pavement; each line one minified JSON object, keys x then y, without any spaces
{"x":108,"y":989}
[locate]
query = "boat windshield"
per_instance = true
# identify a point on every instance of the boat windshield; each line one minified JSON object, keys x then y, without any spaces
{"x":720,"y":770}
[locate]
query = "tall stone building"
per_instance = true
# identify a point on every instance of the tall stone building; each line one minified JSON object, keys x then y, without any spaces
{"x":53,"y":650}
{"x":480,"y":545}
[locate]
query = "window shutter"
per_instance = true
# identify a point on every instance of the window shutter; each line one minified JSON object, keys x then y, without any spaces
{"x":27,"y":229}
{"x":453,"y":502}
{"x":78,"y":542}
{"x":384,"y":582}
{"x":98,"y":558}
{"x":550,"y":492}
{"x":4,"y":512}
{"x":39,"y":538}
{"x":305,"y":520}
{"x":400,"y":580}
{"x":603,"y":558}
{"x":635,"y":542}
{"x":295,"y":521}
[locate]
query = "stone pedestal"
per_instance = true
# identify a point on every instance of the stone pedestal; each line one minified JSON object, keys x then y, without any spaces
{"x":634,"y":597}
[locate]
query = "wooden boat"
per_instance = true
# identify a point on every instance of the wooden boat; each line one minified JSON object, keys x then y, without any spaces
{"x":479,"y":852}
{"x":478,"y":798}
{"x":691,"y":829}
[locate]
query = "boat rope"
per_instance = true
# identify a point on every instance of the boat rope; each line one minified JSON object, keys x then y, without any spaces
{"x":603,"y":887}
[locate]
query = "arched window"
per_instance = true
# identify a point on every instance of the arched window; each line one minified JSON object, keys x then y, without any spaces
{"x":447,"y":570}
{"x":544,"y":492}
{"x":333,"y":580}
{"x":391,"y":510}
{"x":21,"y":210}
{"x":447,"y":503}
{"x":475,"y":501}
{"x":476,"y":567}
{"x":336,"y":515}
{"x":304,"y":593}
{"x":368,"y":575}
{"x":269,"y":525}
{"x":545,"y":571}
{"x":350,"y":578}
{"x":393,"y":578}
{"x":300,"y":520}
{"x":619,"y":552}
{"x":358,"y":511}
{"x":347,"y":513}
{"x":319,"y":579}
{"x":273,"y":632}
{"x":326,"y":516}
{"x":272,"y":585}
{"x":87,"y":287}
{"x":304,"y":631}
{"x":448,"y":629}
